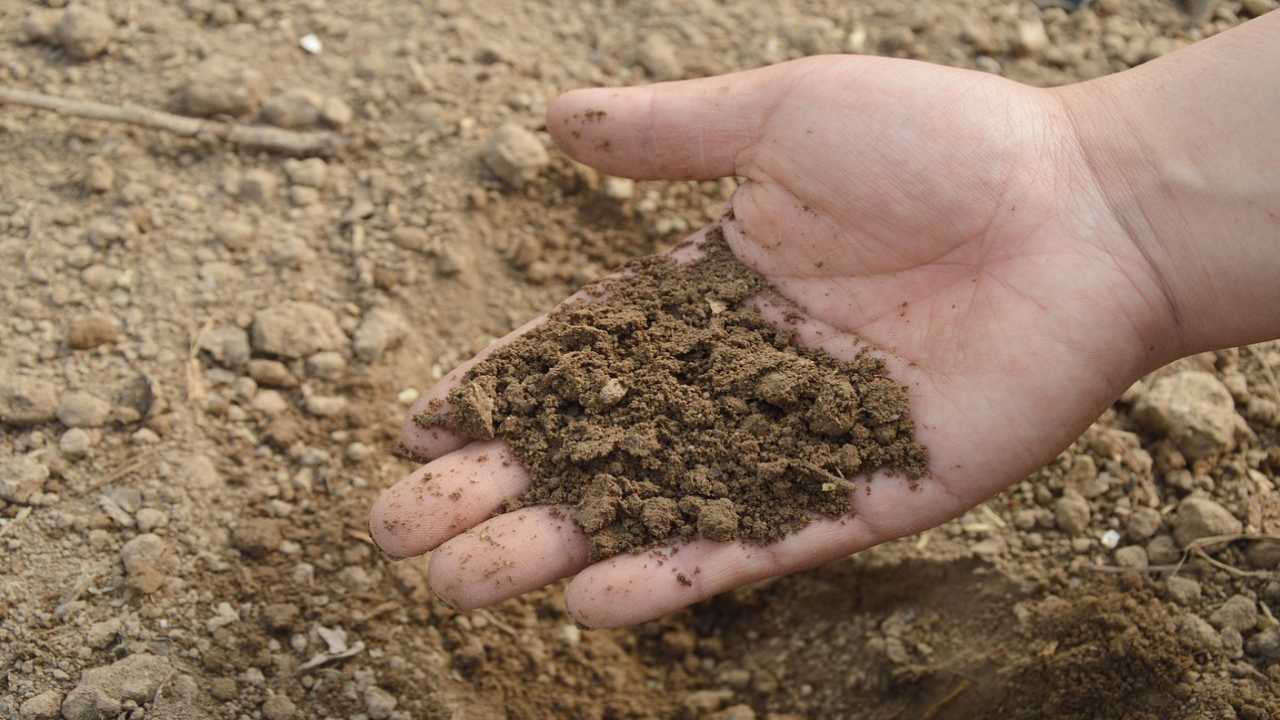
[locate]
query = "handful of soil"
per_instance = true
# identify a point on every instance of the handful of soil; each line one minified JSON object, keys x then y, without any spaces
{"x":666,"y":408}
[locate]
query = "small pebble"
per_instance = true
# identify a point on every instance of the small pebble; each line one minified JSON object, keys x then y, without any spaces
{"x":1072,"y":513}
{"x":149,"y":519}
{"x":1143,"y":523}
{"x":278,"y":707}
{"x":44,"y":706}
{"x":74,"y":443}
{"x":91,"y":330}
{"x":27,"y":401}
{"x":147,"y":560}
{"x":326,"y":365}
{"x":1199,"y":517}
{"x":79,"y":409}
{"x":1238,"y":612}
{"x":21,"y":479}
{"x":1183,"y":590}
{"x":84,"y":32}
{"x":1132,"y":556}
{"x":515,"y":155}
{"x":379,"y":703}
{"x":324,"y":406}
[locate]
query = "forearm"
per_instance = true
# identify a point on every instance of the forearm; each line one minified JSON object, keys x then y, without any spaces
{"x":1187,"y":151}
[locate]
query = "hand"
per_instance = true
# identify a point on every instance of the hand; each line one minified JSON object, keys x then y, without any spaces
{"x":948,"y":217}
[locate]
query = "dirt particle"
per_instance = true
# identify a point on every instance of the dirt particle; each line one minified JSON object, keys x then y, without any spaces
{"x":278,"y":707}
{"x":379,"y":331}
{"x":1072,"y":513}
{"x":84,"y":32}
{"x":26,"y":401}
{"x":515,"y":155}
{"x":1199,"y":517}
{"x":79,"y":409}
{"x":718,"y":520}
{"x":300,"y":109}
{"x":658,"y":56}
{"x":218,"y":86}
{"x":296,"y":329}
{"x":21,"y":479}
{"x":41,"y":707}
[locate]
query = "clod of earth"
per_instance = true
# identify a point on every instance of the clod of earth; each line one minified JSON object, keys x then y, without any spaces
{"x":668,"y":408}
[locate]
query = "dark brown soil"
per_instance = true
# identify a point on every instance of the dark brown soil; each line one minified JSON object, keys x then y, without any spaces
{"x":666,"y":407}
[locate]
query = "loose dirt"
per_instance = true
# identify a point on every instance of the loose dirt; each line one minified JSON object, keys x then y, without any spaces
{"x":199,"y":549}
{"x":666,"y":407}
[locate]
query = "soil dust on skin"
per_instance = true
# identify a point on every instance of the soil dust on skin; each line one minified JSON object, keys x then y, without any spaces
{"x":664,"y":407}
{"x":185,"y":485}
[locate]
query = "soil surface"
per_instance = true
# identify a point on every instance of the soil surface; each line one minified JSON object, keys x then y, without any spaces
{"x":208,"y":351}
{"x":663,"y":406}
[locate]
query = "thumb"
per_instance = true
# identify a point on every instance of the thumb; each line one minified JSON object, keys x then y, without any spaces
{"x":688,"y":130}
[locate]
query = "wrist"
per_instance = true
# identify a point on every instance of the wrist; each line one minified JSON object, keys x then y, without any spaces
{"x":1179,"y":152}
{"x":1114,"y":187}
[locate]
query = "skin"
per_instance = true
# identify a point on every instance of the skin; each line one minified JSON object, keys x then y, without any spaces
{"x":1020,"y":256}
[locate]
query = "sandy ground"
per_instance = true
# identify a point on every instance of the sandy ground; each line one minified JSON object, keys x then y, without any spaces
{"x":207,"y":352}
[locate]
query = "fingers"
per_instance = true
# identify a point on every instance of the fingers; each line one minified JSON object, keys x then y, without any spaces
{"x":428,"y":440}
{"x":630,"y":589}
{"x":688,"y":130}
{"x":507,"y":556}
{"x":445,"y":497}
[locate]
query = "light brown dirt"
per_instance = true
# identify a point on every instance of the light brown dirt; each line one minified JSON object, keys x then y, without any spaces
{"x":205,"y":522}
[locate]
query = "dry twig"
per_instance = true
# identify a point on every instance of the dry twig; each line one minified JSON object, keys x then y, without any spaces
{"x":1197,"y":548}
{"x":258,"y":137}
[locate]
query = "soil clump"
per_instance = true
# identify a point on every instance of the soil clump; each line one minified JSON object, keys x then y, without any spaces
{"x":665,"y":407}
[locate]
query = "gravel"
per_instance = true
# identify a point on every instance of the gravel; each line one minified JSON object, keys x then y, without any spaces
{"x":278,"y":707}
{"x":1183,"y":590}
{"x":21,"y":479}
{"x":74,"y":443}
{"x":102,"y":690}
{"x":41,"y":707}
{"x":1199,"y":517}
{"x":257,"y":537}
{"x":1132,"y":556}
{"x":84,"y":32}
{"x":228,"y":345}
{"x":147,"y":561}
{"x":303,"y":109}
{"x":26,"y":401}
{"x":1143,"y":523}
{"x":218,"y":86}
{"x":1072,"y":513}
{"x":271,"y":373}
{"x":80,"y":409}
{"x":296,"y":329}
{"x":1238,"y":612}
{"x":91,"y":330}
{"x":1265,"y":644}
{"x":312,"y":172}
{"x":380,"y":330}
{"x":379,"y":703}
{"x":515,"y":155}
{"x":658,"y":57}
{"x":1195,"y":410}
{"x":1198,"y":634}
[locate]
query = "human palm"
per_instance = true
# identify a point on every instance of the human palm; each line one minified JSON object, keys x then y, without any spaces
{"x":947,"y":218}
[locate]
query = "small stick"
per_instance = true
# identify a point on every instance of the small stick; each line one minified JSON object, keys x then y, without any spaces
{"x":848,"y":485}
{"x":258,"y":137}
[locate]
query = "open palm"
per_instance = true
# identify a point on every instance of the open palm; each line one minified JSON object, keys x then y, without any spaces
{"x":947,"y":218}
